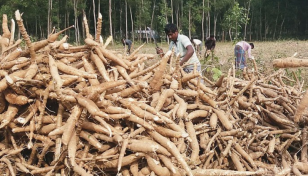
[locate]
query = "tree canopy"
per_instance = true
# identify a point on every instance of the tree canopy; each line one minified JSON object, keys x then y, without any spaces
{"x":227,"y":19}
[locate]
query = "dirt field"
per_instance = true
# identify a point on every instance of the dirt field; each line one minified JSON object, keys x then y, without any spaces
{"x":264,"y":53}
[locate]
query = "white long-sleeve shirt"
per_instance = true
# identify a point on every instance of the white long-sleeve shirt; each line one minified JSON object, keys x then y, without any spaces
{"x":197,"y":41}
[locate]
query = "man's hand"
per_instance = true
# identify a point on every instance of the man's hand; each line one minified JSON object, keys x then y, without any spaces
{"x":159,"y":51}
{"x":207,"y":53}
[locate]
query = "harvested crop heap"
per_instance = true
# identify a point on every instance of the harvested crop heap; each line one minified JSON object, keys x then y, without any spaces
{"x":90,"y":111}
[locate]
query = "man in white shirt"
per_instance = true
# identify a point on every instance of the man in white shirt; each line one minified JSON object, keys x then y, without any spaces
{"x":182,"y":46}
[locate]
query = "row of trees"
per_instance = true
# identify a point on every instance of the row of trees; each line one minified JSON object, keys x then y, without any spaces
{"x":227,"y":19}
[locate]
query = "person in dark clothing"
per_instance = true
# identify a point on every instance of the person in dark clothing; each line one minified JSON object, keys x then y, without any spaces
{"x":210,"y":44}
{"x":128,"y":43}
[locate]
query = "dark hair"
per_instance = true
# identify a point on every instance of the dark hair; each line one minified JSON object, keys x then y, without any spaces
{"x":252,"y":45}
{"x":212,"y":36}
{"x":170,"y":28}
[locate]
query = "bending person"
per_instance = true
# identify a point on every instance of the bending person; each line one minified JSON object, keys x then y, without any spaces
{"x":128,"y":43}
{"x":240,"y":50}
{"x":210,"y":44}
{"x":197,"y":44}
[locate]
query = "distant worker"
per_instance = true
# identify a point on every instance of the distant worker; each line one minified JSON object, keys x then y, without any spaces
{"x":128,"y":43}
{"x":240,"y":50}
{"x":210,"y":44}
{"x":197,"y":44}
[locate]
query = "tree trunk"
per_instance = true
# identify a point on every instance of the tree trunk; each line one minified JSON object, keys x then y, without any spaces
{"x":236,"y":32}
{"x":152,"y":18}
{"x":209,"y":18}
{"x":230,"y":34}
{"x":265,"y":26}
{"x":276,"y":22}
{"x":177,"y":15}
{"x":58,"y":14}
{"x":171,"y":11}
{"x":120,"y":18}
{"x":250,"y":27}
{"x":66,"y":18}
{"x":166,"y":16}
{"x":77,"y":34}
{"x":215,"y":19}
{"x":166,"y":12}
{"x":281,"y":27}
{"x":146,"y":34}
{"x":114,"y":24}
{"x":260,"y":25}
{"x":215,"y":25}
{"x":131,"y":17}
{"x":202,"y":22}
{"x":49,"y":22}
{"x":42,"y":34}
{"x":139,"y":37}
{"x":110,"y":20}
{"x":67,"y":21}
{"x":94,"y":16}
{"x":189,"y":22}
{"x":126,"y":23}
{"x":246,"y":21}
{"x":182,"y":14}
{"x":153,"y":11}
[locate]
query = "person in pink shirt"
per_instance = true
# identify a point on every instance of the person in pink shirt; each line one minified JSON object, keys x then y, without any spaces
{"x":240,"y":53}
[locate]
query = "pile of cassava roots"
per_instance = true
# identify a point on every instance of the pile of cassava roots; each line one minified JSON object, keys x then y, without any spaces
{"x":89,"y":110}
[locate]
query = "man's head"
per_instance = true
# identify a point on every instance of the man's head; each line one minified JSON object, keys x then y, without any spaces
{"x":252,"y":45}
{"x":171,"y":31}
{"x":212,"y":37}
{"x":123,"y":41}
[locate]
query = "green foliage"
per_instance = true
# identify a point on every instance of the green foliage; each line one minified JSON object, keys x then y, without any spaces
{"x":234,"y":18}
{"x":6,"y":9}
{"x":216,"y":73}
{"x":196,"y":16}
{"x":211,"y":67}
{"x":143,"y":14}
{"x":221,"y":5}
{"x":294,"y":72}
{"x":287,"y":20}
